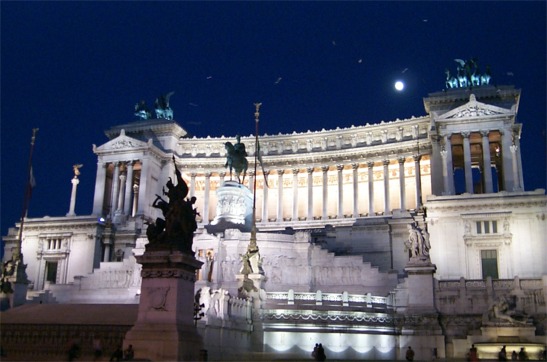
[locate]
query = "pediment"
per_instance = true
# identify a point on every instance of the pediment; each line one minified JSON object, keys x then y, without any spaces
{"x":122,"y":142}
{"x":475,"y":109}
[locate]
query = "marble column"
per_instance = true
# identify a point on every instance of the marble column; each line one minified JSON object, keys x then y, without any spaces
{"x":115,"y":190}
{"x":520,"y":181}
{"x":265,"y":198}
{"x":135,"y":199}
{"x":325,"y":170}
{"x":128,"y":189}
{"x":402,"y":190}
{"x":340,"y":169}
{"x":387,"y":206}
{"x":75,"y":183}
{"x":143,"y":186}
{"x":418,"y":176}
{"x":295,"y":194}
{"x":192,"y":184}
{"x":370,"y":188}
{"x":355,"y":168}
{"x":449,"y":190}
{"x":280,"y":194}
{"x":486,"y":163}
{"x":252,"y":181}
{"x":446,"y":186}
{"x":205,"y":213}
{"x":100,"y":179}
{"x":507,"y":156}
{"x":310,"y":193}
{"x":121,"y":194}
{"x":516,"y":186}
{"x":467,"y":162}
{"x":106,"y":254}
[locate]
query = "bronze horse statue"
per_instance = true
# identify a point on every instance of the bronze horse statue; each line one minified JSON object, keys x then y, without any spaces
{"x":236,"y":160}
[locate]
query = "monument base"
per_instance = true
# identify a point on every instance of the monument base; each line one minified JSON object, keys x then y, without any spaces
{"x":234,"y":208}
{"x":165,"y":342}
{"x":165,"y":330}
{"x":420,"y":286}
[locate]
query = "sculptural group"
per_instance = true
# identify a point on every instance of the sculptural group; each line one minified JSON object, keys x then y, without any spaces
{"x":467,"y":75}
{"x":179,"y":223}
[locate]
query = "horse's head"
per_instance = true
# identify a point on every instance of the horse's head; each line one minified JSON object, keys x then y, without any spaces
{"x":229,"y":147}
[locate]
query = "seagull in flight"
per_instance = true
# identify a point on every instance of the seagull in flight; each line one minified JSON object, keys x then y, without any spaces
{"x":278,"y":80}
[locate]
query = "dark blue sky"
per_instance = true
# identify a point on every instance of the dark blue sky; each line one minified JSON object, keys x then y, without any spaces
{"x":73,"y":69}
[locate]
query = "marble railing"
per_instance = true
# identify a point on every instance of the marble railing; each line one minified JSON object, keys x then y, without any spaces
{"x":476,"y":296}
{"x":343,"y":299}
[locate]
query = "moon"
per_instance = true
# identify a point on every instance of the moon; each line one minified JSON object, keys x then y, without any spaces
{"x":399,"y":85}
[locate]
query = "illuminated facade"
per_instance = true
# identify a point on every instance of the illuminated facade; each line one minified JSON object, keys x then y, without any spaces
{"x":332,"y":226}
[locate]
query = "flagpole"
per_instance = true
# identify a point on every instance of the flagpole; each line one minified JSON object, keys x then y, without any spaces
{"x":26,"y":200}
{"x":252,"y":245}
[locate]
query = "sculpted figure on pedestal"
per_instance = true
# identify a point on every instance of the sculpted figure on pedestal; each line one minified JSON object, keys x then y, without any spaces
{"x":177,"y":229}
{"x":236,"y":158}
{"x":418,"y":242}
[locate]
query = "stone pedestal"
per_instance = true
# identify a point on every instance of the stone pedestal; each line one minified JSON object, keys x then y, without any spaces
{"x":421,"y":298}
{"x":165,"y":330}
{"x":250,"y":285}
{"x":234,"y":208}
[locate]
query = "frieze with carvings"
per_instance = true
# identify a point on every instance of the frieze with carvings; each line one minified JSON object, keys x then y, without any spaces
{"x":306,"y":316}
{"x":473,"y":111}
{"x":168,"y":273}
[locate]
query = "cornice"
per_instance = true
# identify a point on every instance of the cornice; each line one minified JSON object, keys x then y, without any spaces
{"x":382,"y":134}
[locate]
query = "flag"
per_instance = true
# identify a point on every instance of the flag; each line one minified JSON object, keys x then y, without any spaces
{"x":31,"y":185}
{"x":260,"y":161}
{"x":32,"y":180}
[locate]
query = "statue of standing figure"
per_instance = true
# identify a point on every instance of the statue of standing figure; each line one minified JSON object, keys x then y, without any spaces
{"x":180,"y":216}
{"x":418,"y":242}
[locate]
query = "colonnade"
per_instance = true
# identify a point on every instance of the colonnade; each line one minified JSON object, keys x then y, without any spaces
{"x":325,"y":195}
{"x":508,"y":152}
{"x":123,"y":199}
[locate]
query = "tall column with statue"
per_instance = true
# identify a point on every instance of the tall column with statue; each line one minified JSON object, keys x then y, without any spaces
{"x":165,"y":330}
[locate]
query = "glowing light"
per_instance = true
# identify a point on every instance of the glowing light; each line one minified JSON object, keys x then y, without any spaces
{"x":399,"y":85}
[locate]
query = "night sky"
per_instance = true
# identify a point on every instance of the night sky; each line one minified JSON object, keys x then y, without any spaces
{"x":74,"y":69}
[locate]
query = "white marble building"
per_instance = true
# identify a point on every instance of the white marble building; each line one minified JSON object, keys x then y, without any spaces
{"x":332,"y":223}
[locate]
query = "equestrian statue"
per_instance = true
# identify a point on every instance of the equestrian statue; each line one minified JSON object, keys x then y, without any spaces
{"x":236,"y":159}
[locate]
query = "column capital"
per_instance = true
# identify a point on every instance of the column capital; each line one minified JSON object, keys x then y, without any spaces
{"x":443,"y":153}
{"x":485,"y":133}
{"x":324,"y":168}
{"x":385,"y":162}
{"x":222,"y":174}
{"x":355,"y":166}
{"x":370,"y":164}
{"x":295,"y":171}
{"x":309,"y":170}
{"x":514,"y":148}
{"x":251,"y":173}
{"x":401,"y":160}
{"x":193,"y":174}
{"x":339,"y":167}
{"x":417,"y":158}
{"x":122,"y":177}
{"x":465,"y":134}
{"x":280,"y":172}
{"x":207,"y":174}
